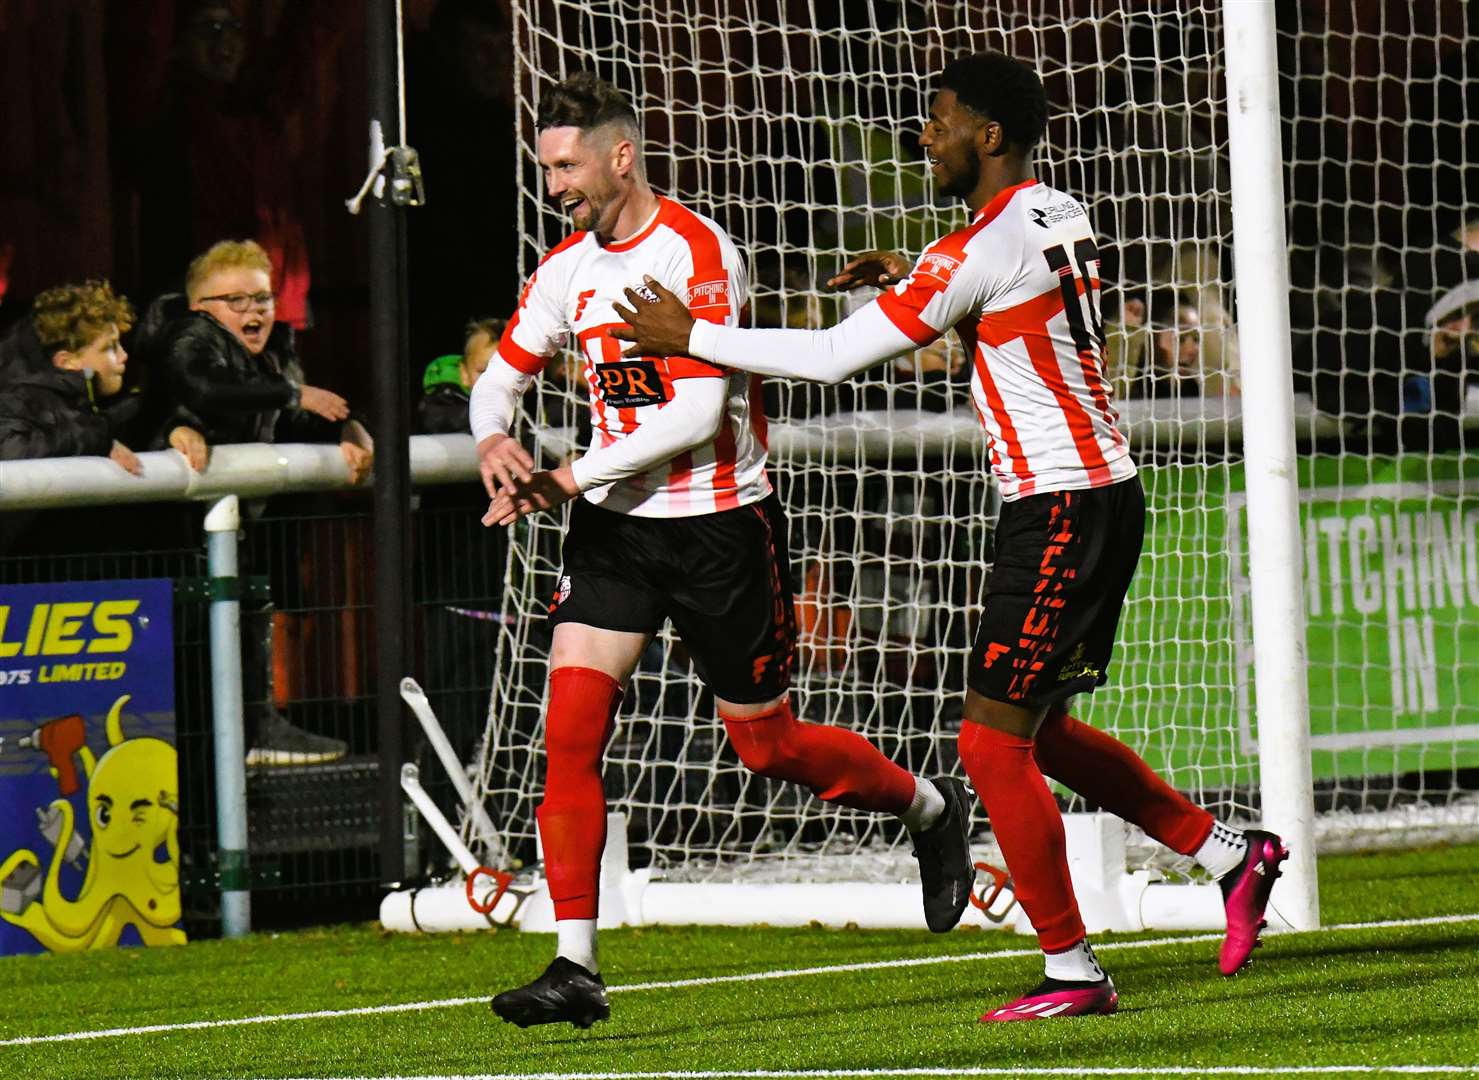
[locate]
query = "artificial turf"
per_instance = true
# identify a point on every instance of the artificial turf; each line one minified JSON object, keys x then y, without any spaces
{"x":1383,"y":996}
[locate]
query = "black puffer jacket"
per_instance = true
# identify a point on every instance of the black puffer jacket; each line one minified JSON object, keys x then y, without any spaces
{"x":45,"y":411}
{"x":202,"y":377}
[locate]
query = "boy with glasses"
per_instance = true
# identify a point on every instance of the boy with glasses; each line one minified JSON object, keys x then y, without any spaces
{"x":221,"y":364}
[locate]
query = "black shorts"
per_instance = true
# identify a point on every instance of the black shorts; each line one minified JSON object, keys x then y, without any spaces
{"x":1064,"y":561}
{"x":724,"y":579}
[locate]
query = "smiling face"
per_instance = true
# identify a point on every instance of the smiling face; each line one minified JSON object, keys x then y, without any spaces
{"x":953,"y":140}
{"x":129,"y":800}
{"x":104,"y":356}
{"x":214,"y":296}
{"x":584,"y":171}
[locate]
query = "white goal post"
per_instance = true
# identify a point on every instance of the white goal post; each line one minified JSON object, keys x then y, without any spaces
{"x":1301,"y":645}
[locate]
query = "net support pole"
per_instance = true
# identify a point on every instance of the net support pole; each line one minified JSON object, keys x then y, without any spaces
{"x":391,"y":413}
{"x":227,"y":736}
{"x":1274,"y":548}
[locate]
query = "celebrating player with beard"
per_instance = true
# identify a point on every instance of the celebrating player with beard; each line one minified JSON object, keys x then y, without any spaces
{"x":675,"y":519}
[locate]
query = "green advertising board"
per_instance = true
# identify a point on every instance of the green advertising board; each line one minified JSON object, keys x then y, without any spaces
{"x":1391,"y":577}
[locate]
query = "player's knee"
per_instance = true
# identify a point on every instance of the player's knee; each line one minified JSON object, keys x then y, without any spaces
{"x":582,"y":706}
{"x":766,"y":744}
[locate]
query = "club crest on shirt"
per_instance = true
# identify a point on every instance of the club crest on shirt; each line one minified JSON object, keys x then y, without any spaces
{"x":630,"y":383}
{"x":703,"y":295}
{"x":936,"y":267}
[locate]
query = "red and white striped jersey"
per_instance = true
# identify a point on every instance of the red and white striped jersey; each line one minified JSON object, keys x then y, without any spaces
{"x":571,"y":294}
{"x":1020,"y":285}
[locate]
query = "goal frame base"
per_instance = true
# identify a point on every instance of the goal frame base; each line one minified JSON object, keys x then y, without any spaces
{"x":1111,"y":899}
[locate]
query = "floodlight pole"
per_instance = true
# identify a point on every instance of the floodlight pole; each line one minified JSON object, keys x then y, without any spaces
{"x":1275,"y":555}
{"x":391,"y":413}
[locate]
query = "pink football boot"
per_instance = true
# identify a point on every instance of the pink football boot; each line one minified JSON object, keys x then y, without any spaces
{"x":1054,"y":998}
{"x":1245,"y":892}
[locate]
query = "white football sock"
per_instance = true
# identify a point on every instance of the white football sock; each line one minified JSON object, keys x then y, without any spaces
{"x":1222,"y":851}
{"x":1076,"y":965}
{"x":925,"y":808}
{"x":577,"y":942}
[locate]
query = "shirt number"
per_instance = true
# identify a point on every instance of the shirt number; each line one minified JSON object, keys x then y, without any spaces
{"x":1087,"y":331}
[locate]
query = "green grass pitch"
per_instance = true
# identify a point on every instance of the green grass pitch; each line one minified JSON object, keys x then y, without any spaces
{"x":1386,"y":999}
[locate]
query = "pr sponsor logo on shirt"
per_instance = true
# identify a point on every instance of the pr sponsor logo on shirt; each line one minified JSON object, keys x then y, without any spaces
{"x":630,"y":383}
{"x":936,"y":267}
{"x":707,"y":295}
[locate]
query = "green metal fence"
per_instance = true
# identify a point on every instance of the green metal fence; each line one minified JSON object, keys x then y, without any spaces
{"x":307,"y":564}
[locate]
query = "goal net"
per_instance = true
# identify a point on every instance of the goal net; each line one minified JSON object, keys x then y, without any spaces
{"x":796,"y":133}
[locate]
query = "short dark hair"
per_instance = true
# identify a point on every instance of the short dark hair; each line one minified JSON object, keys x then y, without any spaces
{"x":491,"y":326}
{"x":1001,"y":89}
{"x":587,"y":102}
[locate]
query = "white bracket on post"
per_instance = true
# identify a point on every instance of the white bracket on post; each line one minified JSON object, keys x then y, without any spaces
{"x":482,"y":826}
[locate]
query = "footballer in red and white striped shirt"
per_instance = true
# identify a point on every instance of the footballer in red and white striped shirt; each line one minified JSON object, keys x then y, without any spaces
{"x":1020,"y":284}
{"x":677,"y":523}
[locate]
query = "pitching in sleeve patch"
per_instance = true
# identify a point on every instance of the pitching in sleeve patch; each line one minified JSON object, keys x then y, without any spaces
{"x":627,"y":384}
{"x":709,"y":300}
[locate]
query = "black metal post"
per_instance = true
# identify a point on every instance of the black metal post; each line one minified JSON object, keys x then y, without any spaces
{"x":389,"y":357}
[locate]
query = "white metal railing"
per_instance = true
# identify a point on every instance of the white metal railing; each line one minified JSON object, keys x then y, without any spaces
{"x":248,"y":470}
{"x":255,"y":470}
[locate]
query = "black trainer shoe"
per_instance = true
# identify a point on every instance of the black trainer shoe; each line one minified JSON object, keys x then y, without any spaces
{"x":566,"y":991}
{"x":944,"y":854}
{"x":280,"y":744}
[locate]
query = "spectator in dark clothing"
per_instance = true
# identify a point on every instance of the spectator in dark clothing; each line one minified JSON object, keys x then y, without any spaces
{"x":58,"y":368}
{"x":1351,"y":363}
{"x":447,"y":385}
{"x":1445,"y":360}
{"x":224,"y":367}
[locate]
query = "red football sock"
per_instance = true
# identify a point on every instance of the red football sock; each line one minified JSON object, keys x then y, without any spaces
{"x":1109,"y":774}
{"x":840,"y":766}
{"x":1029,"y":829}
{"x":572,"y":817}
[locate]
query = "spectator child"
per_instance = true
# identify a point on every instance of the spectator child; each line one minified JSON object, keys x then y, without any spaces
{"x":57,"y":367}
{"x":226,"y":368}
{"x":448,"y":382}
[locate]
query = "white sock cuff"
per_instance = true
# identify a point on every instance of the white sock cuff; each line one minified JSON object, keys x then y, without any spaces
{"x":1077,"y":964}
{"x":1222,"y":851}
{"x":925,"y":808}
{"x":576,"y":942}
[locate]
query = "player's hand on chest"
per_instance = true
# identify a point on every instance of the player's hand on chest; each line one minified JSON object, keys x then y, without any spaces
{"x":617,"y":382}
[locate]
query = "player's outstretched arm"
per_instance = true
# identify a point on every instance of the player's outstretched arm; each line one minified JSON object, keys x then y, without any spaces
{"x":664,"y":328}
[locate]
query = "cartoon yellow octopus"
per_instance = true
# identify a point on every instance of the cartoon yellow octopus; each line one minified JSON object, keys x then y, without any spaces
{"x":133,"y":804}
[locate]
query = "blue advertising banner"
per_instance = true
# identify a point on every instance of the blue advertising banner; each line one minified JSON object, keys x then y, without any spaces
{"x":89,"y":783}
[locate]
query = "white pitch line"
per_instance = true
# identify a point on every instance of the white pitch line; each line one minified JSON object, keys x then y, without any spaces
{"x":715,"y":980}
{"x":1076,"y":1070}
